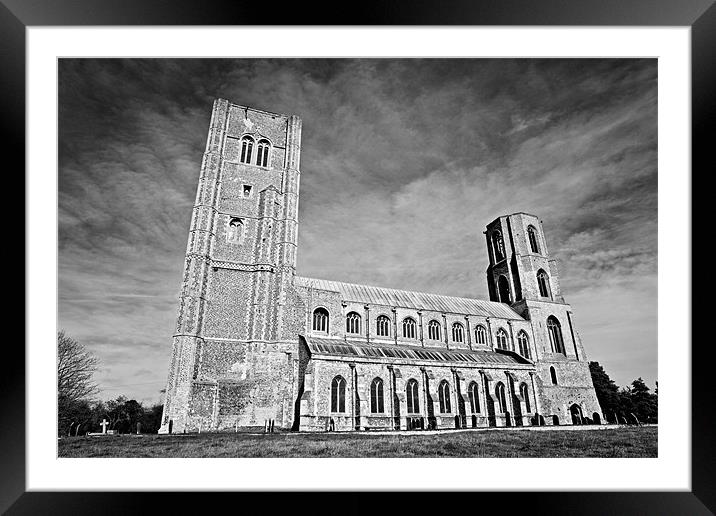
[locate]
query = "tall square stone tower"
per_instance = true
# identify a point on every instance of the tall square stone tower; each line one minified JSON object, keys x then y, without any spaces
{"x":233,"y":338}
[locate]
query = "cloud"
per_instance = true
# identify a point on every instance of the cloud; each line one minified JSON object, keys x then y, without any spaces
{"x":403,"y":164}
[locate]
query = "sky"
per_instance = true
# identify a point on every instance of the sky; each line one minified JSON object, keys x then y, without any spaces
{"x":404,"y":162}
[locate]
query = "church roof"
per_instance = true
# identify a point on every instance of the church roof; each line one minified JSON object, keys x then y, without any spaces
{"x":354,"y":348}
{"x":409,"y":299}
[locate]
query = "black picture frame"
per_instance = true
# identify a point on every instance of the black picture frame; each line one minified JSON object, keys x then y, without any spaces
{"x":17,"y":15}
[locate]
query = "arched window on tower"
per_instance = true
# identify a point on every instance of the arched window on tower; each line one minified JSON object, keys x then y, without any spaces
{"x":262,"y":153}
{"x":553,"y":375}
{"x":434,"y":330}
{"x":247,"y":147}
{"x":320,"y":320}
{"x":555,"y":335}
{"x":353,"y":323}
{"x":338,"y":394}
{"x":523,"y":344}
{"x":474,"y":396}
{"x":376,"y":396}
{"x":499,"y":246}
{"x":524,"y":391}
{"x":532,"y":235}
{"x":409,"y":328}
{"x":235,"y":230}
{"x":501,"y":400}
{"x":458,"y":332}
{"x":543,"y":284}
{"x":501,"y":339}
{"x":444,"y":395}
{"x":480,"y":335}
{"x":382,"y":326}
{"x":503,"y":287}
{"x":413,"y":401}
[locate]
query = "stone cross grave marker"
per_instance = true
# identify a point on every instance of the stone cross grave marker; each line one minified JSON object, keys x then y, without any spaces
{"x":104,"y":424}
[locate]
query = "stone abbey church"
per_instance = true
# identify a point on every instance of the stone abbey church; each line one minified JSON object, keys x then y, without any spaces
{"x":254,"y":342}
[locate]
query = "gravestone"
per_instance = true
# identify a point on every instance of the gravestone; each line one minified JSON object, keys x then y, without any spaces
{"x":104,"y":424}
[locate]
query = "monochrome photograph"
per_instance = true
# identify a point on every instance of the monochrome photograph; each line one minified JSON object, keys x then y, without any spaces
{"x":357,"y":257}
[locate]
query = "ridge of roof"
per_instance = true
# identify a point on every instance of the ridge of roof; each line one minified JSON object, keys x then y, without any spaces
{"x":411,"y":299}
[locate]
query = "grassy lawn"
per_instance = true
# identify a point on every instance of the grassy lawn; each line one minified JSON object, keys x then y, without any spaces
{"x":613,"y":442}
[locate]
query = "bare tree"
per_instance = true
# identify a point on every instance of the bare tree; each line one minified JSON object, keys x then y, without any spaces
{"x":75,"y":369}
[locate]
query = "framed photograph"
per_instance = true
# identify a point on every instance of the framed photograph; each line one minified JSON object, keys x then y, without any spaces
{"x":488,"y":213}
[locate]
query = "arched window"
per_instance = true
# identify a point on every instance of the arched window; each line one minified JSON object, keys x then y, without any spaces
{"x":262,"y":153}
{"x":382,"y":326}
{"x":352,"y":323}
{"x":543,"y":284}
{"x":338,"y":394}
{"x":474,"y":396}
{"x":532,"y":235}
{"x":480,"y":335}
{"x":411,"y":390}
{"x":524,"y":391}
{"x":553,"y":375}
{"x":502,"y":339}
{"x":458,"y":332}
{"x":524,"y":344}
{"x":444,"y":395}
{"x":235,"y":230}
{"x":247,"y":146}
{"x":409,"y":328}
{"x":499,"y":245}
{"x":500,"y":392}
{"x":320,"y":320}
{"x":434,"y":330}
{"x":503,"y":287}
{"x":555,"y":335}
{"x":376,"y":396}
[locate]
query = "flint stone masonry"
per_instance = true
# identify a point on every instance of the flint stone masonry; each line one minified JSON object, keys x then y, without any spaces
{"x":245,"y":350}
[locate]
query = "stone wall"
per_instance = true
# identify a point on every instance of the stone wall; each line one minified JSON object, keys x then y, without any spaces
{"x":316,"y":411}
{"x":338,"y":310}
{"x":574,"y":386}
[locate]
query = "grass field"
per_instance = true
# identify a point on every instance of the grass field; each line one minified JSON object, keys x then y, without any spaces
{"x":606,"y":442}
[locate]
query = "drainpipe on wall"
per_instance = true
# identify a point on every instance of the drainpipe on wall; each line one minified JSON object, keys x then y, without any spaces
{"x":391,"y":379}
{"x":420,"y":328}
{"x":353,"y":395}
{"x":447,"y":344}
{"x":467,"y":329}
{"x":367,"y":323}
{"x":489,"y":332}
{"x":395,"y":324}
{"x":343,"y":312}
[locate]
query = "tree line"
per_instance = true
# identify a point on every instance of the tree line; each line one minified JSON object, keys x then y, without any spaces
{"x":634,"y":404}
{"x":78,"y":412}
